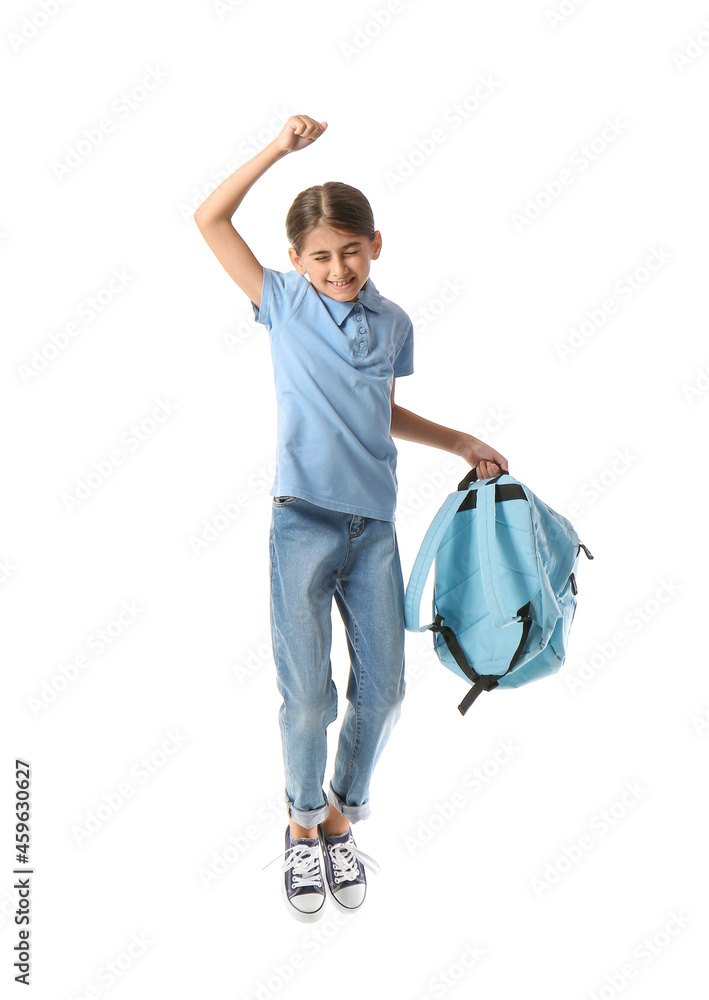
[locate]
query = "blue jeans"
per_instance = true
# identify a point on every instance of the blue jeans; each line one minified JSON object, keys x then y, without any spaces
{"x":316,"y":554}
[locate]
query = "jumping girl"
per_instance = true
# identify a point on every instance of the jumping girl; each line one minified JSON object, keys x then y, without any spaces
{"x":337,"y":347}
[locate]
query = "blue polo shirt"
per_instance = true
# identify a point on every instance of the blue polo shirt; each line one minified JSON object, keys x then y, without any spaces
{"x":333,"y":364}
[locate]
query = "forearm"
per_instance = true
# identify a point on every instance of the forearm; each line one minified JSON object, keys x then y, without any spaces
{"x":226,"y":198}
{"x":411,"y":427}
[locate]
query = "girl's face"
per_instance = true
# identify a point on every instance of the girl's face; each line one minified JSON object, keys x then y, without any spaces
{"x":331,"y":257}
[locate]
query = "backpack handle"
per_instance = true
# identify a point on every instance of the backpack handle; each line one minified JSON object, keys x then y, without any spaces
{"x":470,"y":478}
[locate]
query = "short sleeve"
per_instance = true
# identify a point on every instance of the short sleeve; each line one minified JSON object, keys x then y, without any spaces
{"x":279,"y":298}
{"x":404,"y":361}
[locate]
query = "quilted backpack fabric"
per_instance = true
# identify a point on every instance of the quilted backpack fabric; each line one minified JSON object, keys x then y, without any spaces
{"x":505,"y":586}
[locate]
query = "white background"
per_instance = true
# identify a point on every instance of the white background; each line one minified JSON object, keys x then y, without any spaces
{"x":612,"y":434}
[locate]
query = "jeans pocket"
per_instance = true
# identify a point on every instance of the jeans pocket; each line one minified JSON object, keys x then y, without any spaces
{"x":284,"y":501}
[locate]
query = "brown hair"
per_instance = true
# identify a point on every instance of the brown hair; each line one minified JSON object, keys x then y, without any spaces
{"x":333,"y":203}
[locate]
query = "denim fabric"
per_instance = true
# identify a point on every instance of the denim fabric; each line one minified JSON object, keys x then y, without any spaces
{"x":317,"y":553}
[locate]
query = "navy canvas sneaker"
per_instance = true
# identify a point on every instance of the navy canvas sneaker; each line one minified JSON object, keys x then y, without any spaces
{"x":303,"y":886}
{"x":344,"y":868}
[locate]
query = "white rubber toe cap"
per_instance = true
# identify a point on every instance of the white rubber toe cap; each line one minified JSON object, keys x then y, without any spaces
{"x":311,"y":902}
{"x":351,"y":896}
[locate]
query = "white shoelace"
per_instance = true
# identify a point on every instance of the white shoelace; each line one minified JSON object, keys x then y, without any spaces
{"x":305,"y":863}
{"x":344,"y":861}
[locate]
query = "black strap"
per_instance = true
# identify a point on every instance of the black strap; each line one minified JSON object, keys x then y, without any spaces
{"x":525,"y":614}
{"x":472,"y":477}
{"x":486,"y":682}
{"x":507,"y":491}
{"x":480,"y":682}
{"x":455,"y":649}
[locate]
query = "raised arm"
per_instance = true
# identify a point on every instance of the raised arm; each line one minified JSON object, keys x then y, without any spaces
{"x":213,"y":217}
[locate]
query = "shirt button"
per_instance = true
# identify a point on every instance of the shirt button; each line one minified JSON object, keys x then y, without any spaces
{"x":361,"y":329}
{"x":361,"y":343}
{"x":358,"y":317}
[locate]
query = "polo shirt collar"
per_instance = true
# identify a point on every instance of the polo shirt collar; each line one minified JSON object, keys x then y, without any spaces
{"x":368,"y":296}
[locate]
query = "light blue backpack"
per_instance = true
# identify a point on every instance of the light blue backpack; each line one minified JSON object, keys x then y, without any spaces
{"x":504,"y":584}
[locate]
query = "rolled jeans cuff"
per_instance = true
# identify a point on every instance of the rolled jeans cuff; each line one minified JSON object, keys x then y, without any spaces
{"x":352,"y":813}
{"x":307,"y":817}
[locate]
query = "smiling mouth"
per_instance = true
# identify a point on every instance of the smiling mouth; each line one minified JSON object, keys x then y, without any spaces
{"x":341,"y":284}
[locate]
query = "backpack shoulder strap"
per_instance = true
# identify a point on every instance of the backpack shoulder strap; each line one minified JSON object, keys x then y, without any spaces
{"x":424,"y":559}
{"x":501,"y":613}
